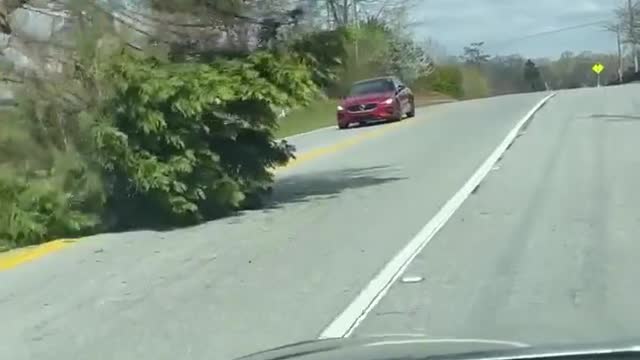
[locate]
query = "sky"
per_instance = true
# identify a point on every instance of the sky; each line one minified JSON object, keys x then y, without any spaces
{"x":456,"y":23}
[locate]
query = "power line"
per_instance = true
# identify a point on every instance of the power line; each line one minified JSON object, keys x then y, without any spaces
{"x":549,"y":32}
{"x":534,"y":35}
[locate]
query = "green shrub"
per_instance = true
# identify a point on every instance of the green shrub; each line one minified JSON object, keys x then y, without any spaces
{"x":135,"y":142}
{"x":181,"y":143}
{"x":446,"y":79}
{"x":46,"y":205}
{"x":326,"y":52}
{"x":474,"y":83}
{"x":47,"y":189}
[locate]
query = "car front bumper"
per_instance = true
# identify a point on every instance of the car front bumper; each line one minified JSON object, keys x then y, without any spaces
{"x":381,"y":113}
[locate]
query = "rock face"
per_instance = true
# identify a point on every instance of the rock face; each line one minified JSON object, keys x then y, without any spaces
{"x":35,"y":35}
{"x":27,"y":31}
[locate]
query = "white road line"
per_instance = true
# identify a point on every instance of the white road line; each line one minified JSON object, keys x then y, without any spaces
{"x":350,"y":318}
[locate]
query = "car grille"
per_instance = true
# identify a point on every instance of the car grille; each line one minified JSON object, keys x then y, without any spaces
{"x":362,"y":107}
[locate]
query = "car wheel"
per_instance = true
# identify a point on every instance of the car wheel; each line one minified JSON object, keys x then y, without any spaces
{"x":412,"y":112}
{"x":343,"y":126}
{"x":398,"y":116}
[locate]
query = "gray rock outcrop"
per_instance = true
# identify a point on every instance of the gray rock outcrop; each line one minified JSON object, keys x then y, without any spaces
{"x":36,"y":35}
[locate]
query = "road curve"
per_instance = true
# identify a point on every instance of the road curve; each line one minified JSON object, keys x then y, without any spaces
{"x":274,"y":276}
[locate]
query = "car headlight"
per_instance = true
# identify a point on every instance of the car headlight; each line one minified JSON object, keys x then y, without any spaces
{"x":340,"y":108}
{"x":389,"y":101}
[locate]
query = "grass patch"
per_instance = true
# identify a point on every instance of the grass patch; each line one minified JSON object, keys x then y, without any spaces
{"x":431,"y":98}
{"x":318,"y":114}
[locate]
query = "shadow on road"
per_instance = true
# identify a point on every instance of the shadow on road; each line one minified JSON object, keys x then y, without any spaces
{"x":369,"y":124}
{"x":328,"y":184}
{"x":295,"y":189}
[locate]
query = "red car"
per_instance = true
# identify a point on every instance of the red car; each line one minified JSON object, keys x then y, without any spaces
{"x":374,"y":100}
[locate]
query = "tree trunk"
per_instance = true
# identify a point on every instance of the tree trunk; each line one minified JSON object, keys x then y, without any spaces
{"x":333,"y":8}
{"x":345,"y":12}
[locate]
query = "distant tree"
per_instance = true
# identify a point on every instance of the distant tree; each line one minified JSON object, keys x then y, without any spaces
{"x":445,"y":79}
{"x":334,"y":14}
{"x":574,"y":70}
{"x":474,"y":54}
{"x":475,"y":83}
{"x":628,"y":23}
{"x":532,"y":76}
{"x":505,"y":74}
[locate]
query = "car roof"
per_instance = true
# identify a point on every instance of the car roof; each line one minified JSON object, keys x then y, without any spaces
{"x":375,"y":79}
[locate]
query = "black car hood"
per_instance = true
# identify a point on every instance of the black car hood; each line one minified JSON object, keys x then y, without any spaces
{"x":398,"y":347}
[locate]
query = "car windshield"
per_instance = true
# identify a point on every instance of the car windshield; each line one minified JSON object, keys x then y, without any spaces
{"x":371,"y":87}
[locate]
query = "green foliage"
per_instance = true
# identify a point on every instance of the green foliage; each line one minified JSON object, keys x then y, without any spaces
{"x":398,"y":53}
{"x":474,"y":83}
{"x":504,"y":74}
{"x":134,"y":141}
{"x":532,"y":76}
{"x":47,"y":188}
{"x":325,"y":52}
{"x":366,"y":57}
{"x":49,"y":184}
{"x":374,"y":49}
{"x":406,"y":59}
{"x":43,"y":204}
{"x":574,"y":70}
{"x":122,"y":139}
{"x":500,"y":75}
{"x":474,"y":54}
{"x":446,"y":79}
{"x":181,"y":143}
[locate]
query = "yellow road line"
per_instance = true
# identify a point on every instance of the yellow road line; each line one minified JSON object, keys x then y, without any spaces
{"x":339,"y":146}
{"x":14,"y":258}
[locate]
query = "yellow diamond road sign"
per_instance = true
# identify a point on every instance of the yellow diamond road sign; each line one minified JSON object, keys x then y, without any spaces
{"x":597,"y":68}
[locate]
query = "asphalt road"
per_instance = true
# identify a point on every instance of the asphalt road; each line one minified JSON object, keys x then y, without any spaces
{"x":546,"y":251}
{"x":550,"y":230}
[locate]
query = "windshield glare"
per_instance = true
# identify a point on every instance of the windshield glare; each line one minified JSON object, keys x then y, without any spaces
{"x":371,"y":87}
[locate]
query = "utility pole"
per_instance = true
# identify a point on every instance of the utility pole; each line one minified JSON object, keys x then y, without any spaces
{"x":632,"y":33}
{"x":620,"y":60}
{"x":356,"y":23}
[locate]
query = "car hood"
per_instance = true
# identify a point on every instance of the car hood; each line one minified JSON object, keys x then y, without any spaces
{"x":368,"y":98}
{"x":419,"y":347}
